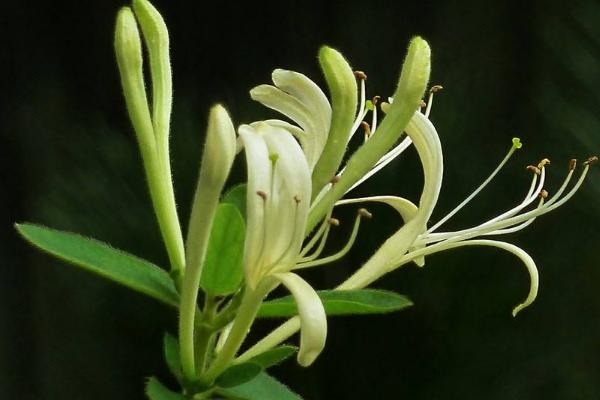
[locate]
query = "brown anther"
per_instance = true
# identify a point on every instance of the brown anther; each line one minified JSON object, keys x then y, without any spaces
{"x":364,"y":213}
{"x":435,"y":88}
{"x":297,"y":199}
{"x":423,"y":104}
{"x":533,"y":169}
{"x":335,"y":179}
{"x":262,"y":194}
{"x":543,"y":163}
{"x":375,"y":100}
{"x":333,"y":221}
{"x":572,"y":164}
{"x":366,"y":127}
{"x":360,"y":75}
{"x":543,"y":194}
{"x":591,"y":161}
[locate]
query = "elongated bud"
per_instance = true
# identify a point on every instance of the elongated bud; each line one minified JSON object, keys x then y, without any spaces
{"x":343,"y":90}
{"x":410,"y":90}
{"x":217,"y":159}
{"x":156,"y":38}
{"x":219,"y":150}
{"x":128,"y":49}
{"x":415,"y":72}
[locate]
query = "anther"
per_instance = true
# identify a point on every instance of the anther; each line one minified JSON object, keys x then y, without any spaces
{"x":364,"y":213}
{"x":333,"y":221}
{"x":572,"y":164}
{"x":297,"y":199}
{"x":533,"y":169}
{"x":423,"y":104}
{"x":543,"y":163}
{"x":360,"y":75}
{"x":376,"y":100}
{"x":335,"y":179}
{"x":366,"y":127}
{"x":591,"y":161}
{"x":543,"y":194}
{"x":262,"y":194}
{"x":435,"y":88}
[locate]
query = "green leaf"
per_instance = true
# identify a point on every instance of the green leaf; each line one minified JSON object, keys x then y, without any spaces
{"x":223,"y":271}
{"x":171,"y":353}
{"x":100,"y":258}
{"x":341,"y":302}
{"x":274,"y":356}
{"x":238,"y":375}
{"x":155,"y":390}
{"x":262,"y":387}
{"x":237,"y":196}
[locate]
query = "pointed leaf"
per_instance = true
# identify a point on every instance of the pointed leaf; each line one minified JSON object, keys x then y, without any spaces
{"x":171,"y":353}
{"x":237,"y":196}
{"x":155,"y":390}
{"x":274,"y":356}
{"x":104,"y":260}
{"x":341,"y":302}
{"x":238,"y":375}
{"x":223,"y":272}
{"x":262,"y":387}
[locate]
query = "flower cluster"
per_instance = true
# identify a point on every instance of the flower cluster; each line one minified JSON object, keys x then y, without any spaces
{"x":295,"y":179}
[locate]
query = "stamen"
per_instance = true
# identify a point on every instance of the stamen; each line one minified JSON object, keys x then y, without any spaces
{"x":329,"y":222}
{"x":591,"y":161}
{"x":384,"y":160}
{"x":262,"y":194}
{"x":362,"y":109}
{"x":313,"y":240}
{"x":366,"y":128}
{"x":333,"y":221}
{"x":517,"y":227}
{"x":362,"y":213}
{"x":374,"y":113}
{"x":516,"y":145}
{"x":434,"y":89}
{"x":543,"y":163}
{"x":335,"y":179}
{"x":529,"y":198}
{"x":534,"y":169}
{"x":504,"y":223}
{"x":360,"y":75}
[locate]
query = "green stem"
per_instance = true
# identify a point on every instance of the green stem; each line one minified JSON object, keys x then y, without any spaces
{"x":250,"y":304}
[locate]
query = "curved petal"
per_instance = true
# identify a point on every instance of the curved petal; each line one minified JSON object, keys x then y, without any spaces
{"x":406,"y":208}
{"x":517,"y":251}
{"x":313,"y":321}
{"x":290,"y":198}
{"x":259,"y":183}
{"x":426,"y":141}
{"x":300,"y":99}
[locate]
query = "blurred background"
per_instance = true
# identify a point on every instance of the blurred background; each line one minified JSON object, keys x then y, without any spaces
{"x":68,"y":159}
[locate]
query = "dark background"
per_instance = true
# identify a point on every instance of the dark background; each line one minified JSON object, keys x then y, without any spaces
{"x":68,"y":159}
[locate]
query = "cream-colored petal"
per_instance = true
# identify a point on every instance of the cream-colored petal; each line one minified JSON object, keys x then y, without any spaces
{"x":259,"y":186}
{"x":406,"y":208}
{"x":313,"y":321}
{"x":300,"y":99}
{"x":291,"y":197}
{"x":426,"y":141}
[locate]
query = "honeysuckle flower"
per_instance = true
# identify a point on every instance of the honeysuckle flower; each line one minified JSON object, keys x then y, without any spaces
{"x":414,"y":240}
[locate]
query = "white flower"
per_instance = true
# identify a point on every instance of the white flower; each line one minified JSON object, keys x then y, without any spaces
{"x":413,"y":241}
{"x":278,"y":197}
